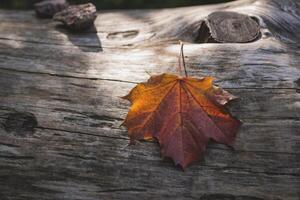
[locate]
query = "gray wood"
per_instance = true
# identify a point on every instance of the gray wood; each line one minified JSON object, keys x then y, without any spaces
{"x":61,"y":111}
{"x":93,"y":113}
{"x":232,"y":27}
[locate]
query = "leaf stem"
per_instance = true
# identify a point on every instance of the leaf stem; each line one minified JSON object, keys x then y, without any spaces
{"x":181,"y":60}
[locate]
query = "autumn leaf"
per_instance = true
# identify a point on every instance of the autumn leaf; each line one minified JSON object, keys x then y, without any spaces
{"x":182,"y":113}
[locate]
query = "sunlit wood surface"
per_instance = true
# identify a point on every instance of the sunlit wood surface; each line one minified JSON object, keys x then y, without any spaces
{"x":61,"y":111}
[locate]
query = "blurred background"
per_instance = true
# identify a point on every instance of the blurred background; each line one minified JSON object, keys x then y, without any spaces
{"x":114,"y":4}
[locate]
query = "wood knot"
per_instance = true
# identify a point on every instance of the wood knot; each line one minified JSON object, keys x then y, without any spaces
{"x":123,"y":34}
{"x":20,"y":123}
{"x":228,"y":27}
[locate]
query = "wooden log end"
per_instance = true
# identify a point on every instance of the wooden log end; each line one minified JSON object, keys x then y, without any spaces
{"x":229,"y":27}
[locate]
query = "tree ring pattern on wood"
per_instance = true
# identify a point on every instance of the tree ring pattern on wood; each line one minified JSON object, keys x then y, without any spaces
{"x":232,"y":27}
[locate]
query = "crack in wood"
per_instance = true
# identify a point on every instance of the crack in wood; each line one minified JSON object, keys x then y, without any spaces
{"x":123,"y":190}
{"x":67,"y":76}
{"x":78,"y":156}
{"x":132,"y":82}
{"x":222,"y":196}
{"x":9,"y":144}
{"x":127,"y":139}
{"x":14,"y":157}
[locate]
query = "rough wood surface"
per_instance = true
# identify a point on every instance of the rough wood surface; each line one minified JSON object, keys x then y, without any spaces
{"x":231,"y":27}
{"x":60,"y":106}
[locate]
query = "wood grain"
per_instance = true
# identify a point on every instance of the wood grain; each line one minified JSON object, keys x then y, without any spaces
{"x":61,"y":111}
{"x":232,"y":27}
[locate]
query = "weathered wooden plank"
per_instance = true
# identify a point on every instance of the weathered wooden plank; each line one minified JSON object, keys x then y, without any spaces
{"x":47,"y":31}
{"x":280,"y":17}
{"x":83,"y":164}
{"x":95,"y":107}
{"x":268,"y":59}
{"x":245,"y":65}
{"x":71,"y":83}
{"x":216,"y":157}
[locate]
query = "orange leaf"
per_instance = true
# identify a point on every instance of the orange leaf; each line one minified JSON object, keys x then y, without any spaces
{"x":182,"y":114}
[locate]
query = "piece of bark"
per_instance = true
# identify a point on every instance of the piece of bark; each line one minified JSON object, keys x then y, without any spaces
{"x":79,"y":17}
{"x":231,"y":27}
{"x":46,"y":9}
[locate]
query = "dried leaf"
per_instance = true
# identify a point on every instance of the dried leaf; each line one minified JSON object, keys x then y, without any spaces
{"x":183,"y":114}
{"x":78,"y":17}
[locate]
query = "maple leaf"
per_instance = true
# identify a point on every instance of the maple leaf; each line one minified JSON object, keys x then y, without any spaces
{"x":182,"y":113}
